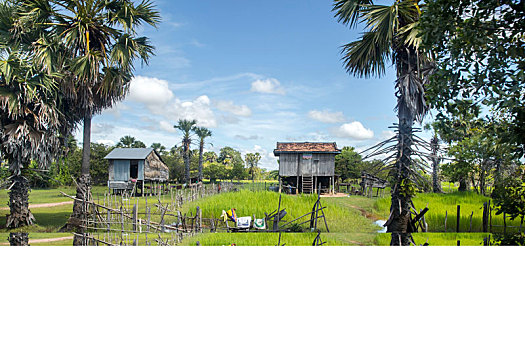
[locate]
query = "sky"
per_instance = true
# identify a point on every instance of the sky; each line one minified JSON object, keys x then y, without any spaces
{"x":255,"y":73}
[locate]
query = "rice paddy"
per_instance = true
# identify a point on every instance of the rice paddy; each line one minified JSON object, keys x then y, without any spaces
{"x":442,"y":205}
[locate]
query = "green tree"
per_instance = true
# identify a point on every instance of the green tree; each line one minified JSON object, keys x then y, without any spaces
{"x":187,"y":127}
{"x":215,"y":171}
{"x":102,"y":46}
{"x":31,"y":122}
{"x":129,"y":141}
{"x":478,"y":47}
{"x":228,"y":155}
{"x":391,"y":35}
{"x":159,"y":148}
{"x":202,"y":133}
{"x":252,"y":160}
{"x":348,"y":164}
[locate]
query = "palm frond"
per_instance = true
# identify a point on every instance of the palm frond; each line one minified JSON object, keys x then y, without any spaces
{"x":368,"y":56}
{"x":348,"y":11}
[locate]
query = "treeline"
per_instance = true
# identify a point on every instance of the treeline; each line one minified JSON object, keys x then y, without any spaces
{"x":228,"y":164}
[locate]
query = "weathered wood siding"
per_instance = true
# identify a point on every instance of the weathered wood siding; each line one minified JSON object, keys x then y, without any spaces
{"x":294,"y":164}
{"x":155,"y":169}
{"x":288,"y":164}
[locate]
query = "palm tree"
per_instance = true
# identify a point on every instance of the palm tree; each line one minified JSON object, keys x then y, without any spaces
{"x":130,"y":142}
{"x":101,"y":37}
{"x":32,"y":125}
{"x":391,"y":34}
{"x":252,"y":160}
{"x":186,"y":126}
{"x":202,"y":133}
{"x":159,"y":148}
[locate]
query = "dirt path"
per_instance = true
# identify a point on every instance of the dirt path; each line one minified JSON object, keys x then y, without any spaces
{"x":43,"y":205}
{"x":45,"y":240}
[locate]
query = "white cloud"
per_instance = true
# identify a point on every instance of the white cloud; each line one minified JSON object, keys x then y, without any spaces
{"x":198,"y":109}
{"x":326,"y":116}
{"x":106,"y":142}
{"x":152,"y":92}
{"x":229,"y":106}
{"x":268,"y":86}
{"x":386,"y":134}
{"x":354,"y":130}
{"x":101,"y":128}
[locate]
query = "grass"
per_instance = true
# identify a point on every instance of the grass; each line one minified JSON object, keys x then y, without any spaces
{"x":438,"y":238}
{"x":446,"y":204}
{"x":350,"y":219}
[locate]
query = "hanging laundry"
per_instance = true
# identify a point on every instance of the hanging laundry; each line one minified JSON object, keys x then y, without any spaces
{"x":259,"y":224}
{"x":244,"y":222}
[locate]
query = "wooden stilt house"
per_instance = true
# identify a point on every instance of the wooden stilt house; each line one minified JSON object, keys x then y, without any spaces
{"x":136,"y":169}
{"x":306,"y":167}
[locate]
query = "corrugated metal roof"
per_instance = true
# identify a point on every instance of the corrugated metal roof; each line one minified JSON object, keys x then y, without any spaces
{"x":301,"y":147}
{"x":129,"y":153}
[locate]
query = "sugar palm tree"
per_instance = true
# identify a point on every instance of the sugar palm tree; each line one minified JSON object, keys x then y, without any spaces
{"x":391,"y":36}
{"x":159,"y":148}
{"x":31,"y":122}
{"x":202,"y":133}
{"x":129,"y":141}
{"x":187,"y":127}
{"x":101,"y":37}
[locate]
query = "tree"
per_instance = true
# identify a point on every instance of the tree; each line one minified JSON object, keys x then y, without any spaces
{"x":202,"y":133}
{"x":478,"y":49}
{"x":159,"y":148}
{"x":348,"y":164}
{"x":102,"y":42}
{"x":228,"y":155}
{"x":187,"y":127}
{"x":252,"y":160}
{"x":391,"y":34}
{"x":31,"y":122}
{"x":210,"y":157}
{"x":130,"y":142}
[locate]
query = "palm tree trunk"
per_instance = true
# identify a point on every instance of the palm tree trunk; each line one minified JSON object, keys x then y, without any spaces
{"x":399,"y":220}
{"x":83,"y":187}
{"x":436,"y":184}
{"x":201,"y":153}
{"x":19,"y":213}
{"x":186,"y":163}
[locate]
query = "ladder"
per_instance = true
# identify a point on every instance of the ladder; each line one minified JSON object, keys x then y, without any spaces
{"x":308,"y":184}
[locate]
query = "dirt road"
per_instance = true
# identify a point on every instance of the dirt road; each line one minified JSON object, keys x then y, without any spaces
{"x":43,"y":205}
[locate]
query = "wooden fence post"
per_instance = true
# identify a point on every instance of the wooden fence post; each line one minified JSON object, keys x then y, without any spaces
{"x":457,"y":218}
{"x":485,"y":217}
{"x":446,"y":216}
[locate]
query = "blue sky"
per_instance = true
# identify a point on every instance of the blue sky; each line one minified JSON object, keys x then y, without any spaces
{"x":255,"y":73}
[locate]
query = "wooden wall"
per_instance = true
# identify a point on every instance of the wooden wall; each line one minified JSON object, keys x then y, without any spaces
{"x":295,"y":164}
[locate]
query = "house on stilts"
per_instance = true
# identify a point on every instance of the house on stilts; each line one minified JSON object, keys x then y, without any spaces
{"x":307,"y":167}
{"x":138,"y":170}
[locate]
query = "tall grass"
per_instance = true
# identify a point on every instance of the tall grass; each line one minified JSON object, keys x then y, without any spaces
{"x":248,"y":203}
{"x":438,"y":238}
{"x":441,"y":204}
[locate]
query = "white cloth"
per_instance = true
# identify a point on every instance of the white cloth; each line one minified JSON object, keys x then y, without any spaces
{"x":244,"y":222}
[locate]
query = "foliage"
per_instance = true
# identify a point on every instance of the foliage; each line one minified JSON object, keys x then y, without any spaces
{"x":129,"y":141}
{"x":510,"y":199}
{"x":479,"y":50}
{"x":348,"y":164}
{"x":252,"y":160}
